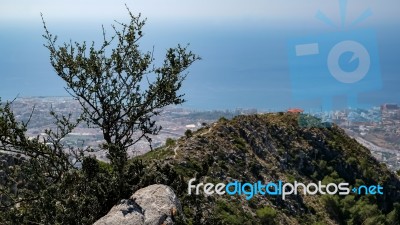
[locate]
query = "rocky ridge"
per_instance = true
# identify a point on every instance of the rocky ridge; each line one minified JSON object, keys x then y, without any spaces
{"x":273,"y":147}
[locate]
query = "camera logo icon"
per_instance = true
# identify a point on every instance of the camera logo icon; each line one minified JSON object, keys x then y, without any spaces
{"x":359,"y":53}
{"x":326,"y":66}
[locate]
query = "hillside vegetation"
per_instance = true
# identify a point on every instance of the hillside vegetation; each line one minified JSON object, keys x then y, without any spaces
{"x":273,"y":147}
{"x":252,"y":148}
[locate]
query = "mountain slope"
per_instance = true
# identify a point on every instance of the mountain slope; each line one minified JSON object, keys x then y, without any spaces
{"x":266,"y":148}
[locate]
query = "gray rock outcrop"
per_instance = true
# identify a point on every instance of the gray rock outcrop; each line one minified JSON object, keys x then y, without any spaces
{"x":153,"y":205}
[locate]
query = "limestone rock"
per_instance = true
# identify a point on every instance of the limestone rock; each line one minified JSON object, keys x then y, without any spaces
{"x":153,"y":205}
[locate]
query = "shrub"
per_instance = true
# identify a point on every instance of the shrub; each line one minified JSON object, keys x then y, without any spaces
{"x":267,"y":215}
{"x":170,"y":142}
{"x":188,"y":133}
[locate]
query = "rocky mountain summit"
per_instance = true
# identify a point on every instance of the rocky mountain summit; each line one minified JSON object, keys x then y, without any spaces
{"x":267,"y":148}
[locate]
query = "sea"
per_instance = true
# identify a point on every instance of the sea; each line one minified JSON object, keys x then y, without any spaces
{"x":241,"y":67}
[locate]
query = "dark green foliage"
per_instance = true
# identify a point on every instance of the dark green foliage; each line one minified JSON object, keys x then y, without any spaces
{"x":229,"y":213}
{"x":268,"y":148}
{"x":310,"y":121}
{"x":120,"y":91}
{"x":118,"y":86}
{"x":239,"y":143}
{"x":30,"y":168}
{"x":170,"y":142}
{"x":78,"y":197}
{"x":267,"y":215}
{"x":394,"y":216}
{"x":223,"y":119}
{"x":332,"y":206}
{"x":188,"y":133}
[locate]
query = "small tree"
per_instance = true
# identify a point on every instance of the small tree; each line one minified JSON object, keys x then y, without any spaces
{"x":31,"y":171}
{"x":169,"y":142}
{"x":120,"y":91}
{"x":188,"y":133}
{"x":118,"y":86}
{"x":267,"y":215}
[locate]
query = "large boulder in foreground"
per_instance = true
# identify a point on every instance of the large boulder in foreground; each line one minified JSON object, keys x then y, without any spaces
{"x":156,"y":204}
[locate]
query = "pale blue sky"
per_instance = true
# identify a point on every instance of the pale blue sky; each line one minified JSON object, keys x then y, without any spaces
{"x":189,"y":10}
{"x":243,"y":43}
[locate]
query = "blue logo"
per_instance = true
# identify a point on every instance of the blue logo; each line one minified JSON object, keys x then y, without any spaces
{"x":280,"y":188}
{"x":343,"y":63}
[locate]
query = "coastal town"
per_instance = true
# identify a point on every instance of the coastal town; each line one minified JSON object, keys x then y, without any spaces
{"x":377,"y":128}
